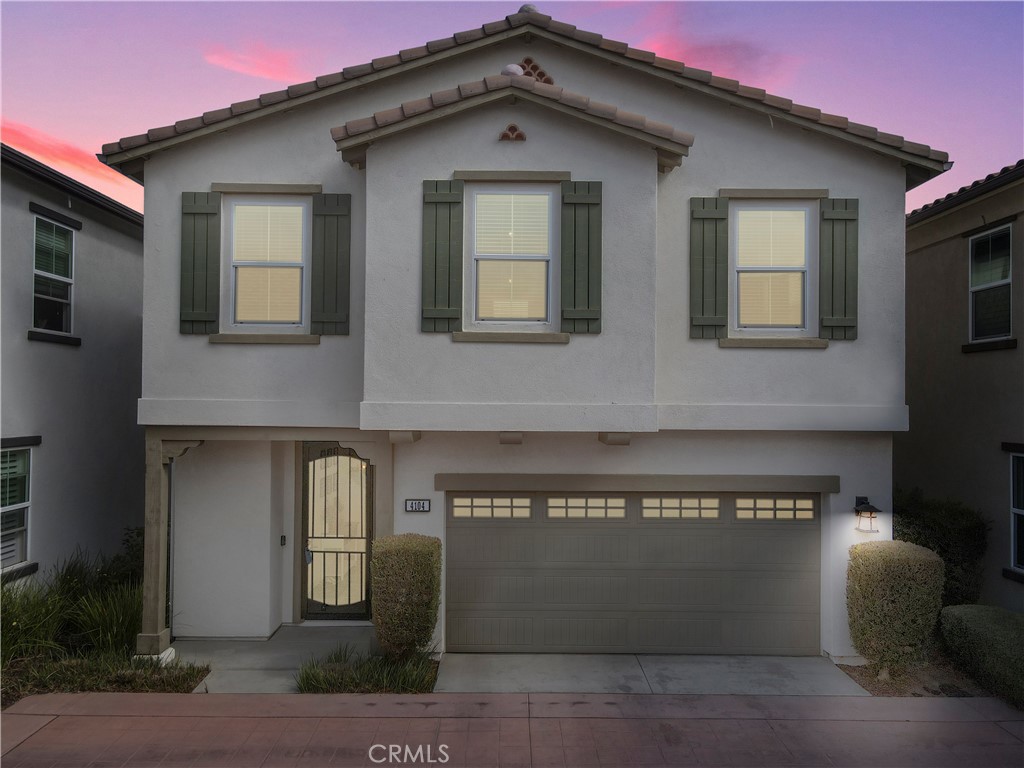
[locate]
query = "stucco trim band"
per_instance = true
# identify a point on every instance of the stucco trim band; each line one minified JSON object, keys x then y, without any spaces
{"x":267,"y":189}
{"x":637,"y":483}
{"x":780,"y":194}
{"x":754,"y":342}
{"x":263,"y":338}
{"x":497,"y":337}
{"x":510,"y":176}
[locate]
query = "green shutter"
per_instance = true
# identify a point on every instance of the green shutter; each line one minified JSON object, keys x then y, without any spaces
{"x":709,"y":267}
{"x":581,"y":256}
{"x":200,"y":262}
{"x":837,"y":293}
{"x":442,"y":256}
{"x":329,"y":278}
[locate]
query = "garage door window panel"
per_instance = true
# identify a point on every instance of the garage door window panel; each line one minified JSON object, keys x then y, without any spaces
{"x":680,"y":508}
{"x":491,"y":507}
{"x":774,"y":508}
{"x":587,"y":508}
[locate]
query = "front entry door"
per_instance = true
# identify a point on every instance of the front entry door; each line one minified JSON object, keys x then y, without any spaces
{"x":337,"y":500}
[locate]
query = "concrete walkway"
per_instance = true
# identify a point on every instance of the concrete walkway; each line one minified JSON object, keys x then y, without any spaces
{"x":270,"y":666}
{"x":625,"y":673}
{"x":103,"y":730}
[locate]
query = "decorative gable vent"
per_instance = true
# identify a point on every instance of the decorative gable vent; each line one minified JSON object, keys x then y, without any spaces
{"x":512,"y":133}
{"x":532,"y":69}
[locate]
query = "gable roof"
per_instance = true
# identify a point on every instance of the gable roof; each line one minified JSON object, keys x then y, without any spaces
{"x":10,"y":156}
{"x":353,"y":137}
{"x":990,"y":183}
{"x":921,"y":161}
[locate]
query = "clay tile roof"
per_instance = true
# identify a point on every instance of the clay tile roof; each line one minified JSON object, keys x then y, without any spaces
{"x":528,"y":22}
{"x":481,"y":91}
{"x":993,"y":181}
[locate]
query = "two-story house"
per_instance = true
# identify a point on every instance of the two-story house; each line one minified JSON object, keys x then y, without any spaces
{"x":71,"y":458}
{"x":625,"y":335}
{"x":965,"y":370}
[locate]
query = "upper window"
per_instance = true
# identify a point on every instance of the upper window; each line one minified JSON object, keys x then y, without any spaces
{"x":53,"y":277}
{"x":268,"y":244}
{"x":773,"y":257}
{"x":14,"y":505}
{"x":1017,"y":511}
{"x":510,"y":275}
{"x":990,"y":285}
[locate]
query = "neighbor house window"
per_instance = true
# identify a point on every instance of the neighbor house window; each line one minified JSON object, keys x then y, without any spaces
{"x":14,"y":506}
{"x":773,"y":252}
{"x":1017,"y":511}
{"x":268,"y":243}
{"x":990,"y":285}
{"x":53,"y":277}
{"x":511,"y":279}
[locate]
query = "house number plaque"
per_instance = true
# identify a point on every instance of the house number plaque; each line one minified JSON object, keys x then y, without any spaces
{"x":417,"y":505}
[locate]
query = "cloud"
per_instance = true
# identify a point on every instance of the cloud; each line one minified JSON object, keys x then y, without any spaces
{"x":747,"y":61}
{"x":73,"y":161}
{"x":257,"y":59}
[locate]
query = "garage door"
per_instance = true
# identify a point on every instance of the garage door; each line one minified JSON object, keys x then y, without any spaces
{"x":633,"y":573}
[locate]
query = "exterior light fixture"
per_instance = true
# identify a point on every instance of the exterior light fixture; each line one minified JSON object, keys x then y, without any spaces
{"x":867,"y":515}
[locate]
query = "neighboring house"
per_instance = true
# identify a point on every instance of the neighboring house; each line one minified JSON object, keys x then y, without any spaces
{"x":71,"y":460}
{"x":965,"y":370}
{"x":629,"y":342}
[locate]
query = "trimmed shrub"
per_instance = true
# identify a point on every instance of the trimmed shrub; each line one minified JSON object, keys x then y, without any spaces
{"x":893,"y":596}
{"x":954,"y":531}
{"x":987,"y":641}
{"x":405,"y":571}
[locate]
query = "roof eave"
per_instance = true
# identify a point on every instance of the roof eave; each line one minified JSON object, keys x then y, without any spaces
{"x":353,"y":148}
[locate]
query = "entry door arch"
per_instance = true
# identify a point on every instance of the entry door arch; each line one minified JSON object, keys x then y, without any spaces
{"x":337,"y":512}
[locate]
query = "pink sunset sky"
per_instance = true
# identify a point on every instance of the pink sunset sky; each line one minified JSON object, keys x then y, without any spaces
{"x":76,"y":75}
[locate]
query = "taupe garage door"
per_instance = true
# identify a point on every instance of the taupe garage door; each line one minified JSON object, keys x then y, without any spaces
{"x":633,"y":573}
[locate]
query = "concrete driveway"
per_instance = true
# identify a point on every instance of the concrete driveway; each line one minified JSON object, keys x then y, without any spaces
{"x":626,"y":673}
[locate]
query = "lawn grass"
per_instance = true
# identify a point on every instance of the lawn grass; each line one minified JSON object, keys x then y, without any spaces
{"x":342,"y":671}
{"x":95,"y":672}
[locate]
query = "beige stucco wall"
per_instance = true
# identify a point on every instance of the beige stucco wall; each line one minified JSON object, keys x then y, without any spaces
{"x":697,"y":385}
{"x":87,"y":475}
{"x":963,"y":406}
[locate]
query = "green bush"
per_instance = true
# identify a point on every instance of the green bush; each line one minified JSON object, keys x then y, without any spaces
{"x":126,"y":566}
{"x":893,"y":597}
{"x":989,"y":643}
{"x":954,"y":531}
{"x":31,"y":620}
{"x":110,"y":619}
{"x":344,"y":672}
{"x":405,"y":571}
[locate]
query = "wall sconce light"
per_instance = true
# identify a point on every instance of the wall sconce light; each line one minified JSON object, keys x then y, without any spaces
{"x":867,"y":515}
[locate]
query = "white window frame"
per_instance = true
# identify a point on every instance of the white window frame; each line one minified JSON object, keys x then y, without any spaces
{"x":470,"y":258}
{"x":1016,"y":513}
{"x":26,"y":505}
{"x":809,"y":327}
{"x":228,"y":265}
{"x":972,"y":289}
{"x":69,"y":281}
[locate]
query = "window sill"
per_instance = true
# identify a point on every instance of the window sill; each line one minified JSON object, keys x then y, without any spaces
{"x":54,"y":338}
{"x":1012,"y":575}
{"x":497,"y":337}
{"x":19,"y":571}
{"x":263,"y":338}
{"x":754,"y":342}
{"x":989,"y":346}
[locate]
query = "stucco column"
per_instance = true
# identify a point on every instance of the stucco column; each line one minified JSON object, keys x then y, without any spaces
{"x":155,"y":636}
